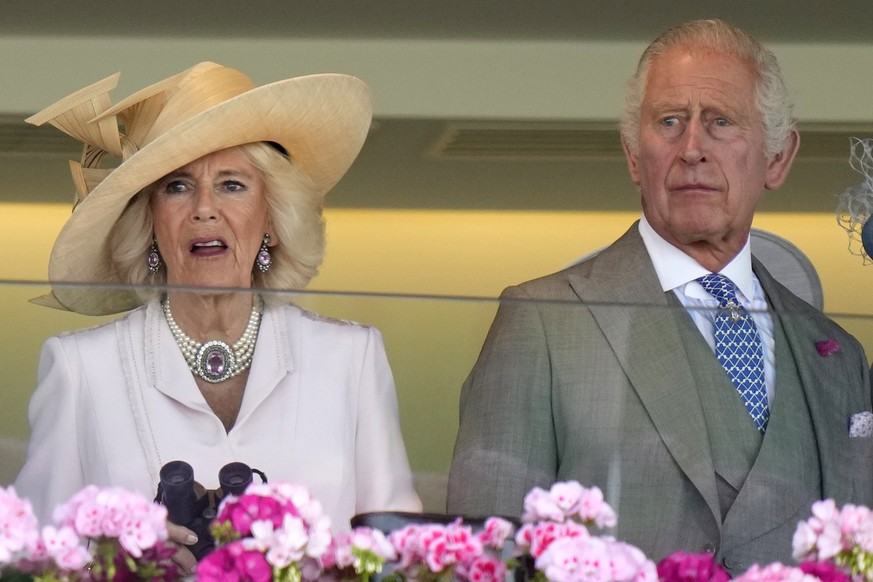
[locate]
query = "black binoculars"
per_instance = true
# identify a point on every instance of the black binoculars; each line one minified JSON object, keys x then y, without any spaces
{"x":191,"y":505}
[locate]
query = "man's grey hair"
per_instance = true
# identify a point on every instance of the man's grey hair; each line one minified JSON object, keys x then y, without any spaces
{"x":772,"y":99}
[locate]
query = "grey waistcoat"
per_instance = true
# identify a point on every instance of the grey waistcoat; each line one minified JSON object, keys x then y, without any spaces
{"x":756,"y":474}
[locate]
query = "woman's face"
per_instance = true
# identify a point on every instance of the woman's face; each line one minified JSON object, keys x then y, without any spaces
{"x":210,"y":218}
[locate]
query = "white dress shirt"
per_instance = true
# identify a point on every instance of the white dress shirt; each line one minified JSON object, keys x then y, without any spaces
{"x":678,"y":272}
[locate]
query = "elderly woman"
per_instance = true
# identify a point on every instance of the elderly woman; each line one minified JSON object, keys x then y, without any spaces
{"x":219,"y":190}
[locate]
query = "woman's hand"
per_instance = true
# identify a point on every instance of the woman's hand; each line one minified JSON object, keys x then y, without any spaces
{"x":180,"y":537}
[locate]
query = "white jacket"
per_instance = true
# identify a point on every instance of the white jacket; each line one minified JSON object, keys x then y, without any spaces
{"x":116,"y":402}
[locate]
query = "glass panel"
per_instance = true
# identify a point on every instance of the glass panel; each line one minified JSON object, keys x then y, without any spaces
{"x":432,"y":343}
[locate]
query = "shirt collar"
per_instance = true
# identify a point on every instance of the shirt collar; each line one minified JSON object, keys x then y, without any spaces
{"x":675,"y":269}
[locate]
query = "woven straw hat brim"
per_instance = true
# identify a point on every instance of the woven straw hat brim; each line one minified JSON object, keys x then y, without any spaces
{"x":320,"y":120}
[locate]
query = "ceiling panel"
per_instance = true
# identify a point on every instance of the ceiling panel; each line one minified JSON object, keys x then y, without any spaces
{"x":770,"y":20}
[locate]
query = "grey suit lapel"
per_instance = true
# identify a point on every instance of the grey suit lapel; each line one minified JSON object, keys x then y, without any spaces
{"x":624,"y":296}
{"x":826,"y":406}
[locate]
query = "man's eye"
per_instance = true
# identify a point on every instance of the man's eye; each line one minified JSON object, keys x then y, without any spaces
{"x":670,"y":121}
{"x":721,"y":122}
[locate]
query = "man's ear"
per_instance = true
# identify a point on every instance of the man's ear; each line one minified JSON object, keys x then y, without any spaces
{"x":779,"y":165}
{"x":632,"y":162}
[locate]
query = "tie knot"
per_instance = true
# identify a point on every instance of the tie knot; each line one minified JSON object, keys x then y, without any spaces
{"x":721,"y":288}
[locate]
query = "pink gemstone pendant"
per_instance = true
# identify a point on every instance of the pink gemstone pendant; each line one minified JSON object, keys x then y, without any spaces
{"x":215,"y":361}
{"x":264,"y":261}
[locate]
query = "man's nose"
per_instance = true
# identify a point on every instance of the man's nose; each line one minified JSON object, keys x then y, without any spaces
{"x":693,"y":142}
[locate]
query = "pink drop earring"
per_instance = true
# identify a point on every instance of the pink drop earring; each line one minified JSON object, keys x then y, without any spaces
{"x":153,"y":259}
{"x":264,"y":260}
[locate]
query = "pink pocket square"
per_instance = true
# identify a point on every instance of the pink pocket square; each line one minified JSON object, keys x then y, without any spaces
{"x":861,"y":425}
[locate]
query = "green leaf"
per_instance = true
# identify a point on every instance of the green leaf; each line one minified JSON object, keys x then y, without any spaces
{"x":13,"y":575}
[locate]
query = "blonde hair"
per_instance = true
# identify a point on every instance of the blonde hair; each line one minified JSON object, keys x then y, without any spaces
{"x":771,"y":95}
{"x":294,"y":211}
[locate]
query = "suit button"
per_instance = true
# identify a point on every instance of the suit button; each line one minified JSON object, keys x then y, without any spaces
{"x":735,"y":566}
{"x":709,"y":548}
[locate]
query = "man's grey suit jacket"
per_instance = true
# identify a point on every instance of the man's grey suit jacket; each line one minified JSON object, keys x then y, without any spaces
{"x":583,"y":376}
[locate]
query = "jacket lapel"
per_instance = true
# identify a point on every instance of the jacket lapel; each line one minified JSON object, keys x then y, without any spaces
{"x":271,"y":362}
{"x":165,"y":366}
{"x":622,"y":292}
{"x":820,"y":379}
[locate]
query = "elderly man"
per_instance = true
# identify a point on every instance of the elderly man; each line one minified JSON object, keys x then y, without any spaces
{"x":671,"y":370}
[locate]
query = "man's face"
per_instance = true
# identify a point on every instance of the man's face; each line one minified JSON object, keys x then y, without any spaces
{"x":701,"y":165}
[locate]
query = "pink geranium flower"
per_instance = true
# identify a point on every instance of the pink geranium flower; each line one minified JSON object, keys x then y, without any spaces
{"x":245,"y":510}
{"x":775,"y":573}
{"x":825,"y":571}
{"x":234,"y":562}
{"x":684,"y":567}
{"x":539,"y":505}
{"x":65,"y":548}
{"x":113,"y":512}
{"x":284,"y":545}
{"x":571,"y":559}
{"x":595,"y":559}
{"x":281,"y":523}
{"x":536,"y":538}
{"x":483,"y":568}
{"x":440,"y":551}
{"x":363,"y":549}
{"x":19,"y":529}
{"x":627,"y":562}
{"x":566,"y":501}
{"x":594,"y":509}
{"x":99,"y":534}
{"x":842,"y":536}
{"x":495,"y":532}
{"x":446,"y":546}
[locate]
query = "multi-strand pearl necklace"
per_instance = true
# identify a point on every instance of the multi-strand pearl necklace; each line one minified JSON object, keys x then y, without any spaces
{"x":215,"y":361}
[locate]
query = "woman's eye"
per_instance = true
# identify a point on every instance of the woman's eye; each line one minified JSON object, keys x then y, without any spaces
{"x":175,"y":187}
{"x":234,"y":186}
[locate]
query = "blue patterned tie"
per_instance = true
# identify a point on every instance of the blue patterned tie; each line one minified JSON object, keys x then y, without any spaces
{"x":738,"y":348}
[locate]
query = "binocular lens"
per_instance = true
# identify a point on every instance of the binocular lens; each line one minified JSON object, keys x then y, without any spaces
{"x":234,"y":478}
{"x":176,"y":475}
{"x":176,"y":491}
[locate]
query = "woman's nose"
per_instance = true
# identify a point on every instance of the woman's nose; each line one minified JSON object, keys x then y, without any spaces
{"x":205,"y":205}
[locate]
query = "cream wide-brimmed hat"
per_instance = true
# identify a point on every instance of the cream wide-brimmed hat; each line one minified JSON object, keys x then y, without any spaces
{"x":321,"y":121}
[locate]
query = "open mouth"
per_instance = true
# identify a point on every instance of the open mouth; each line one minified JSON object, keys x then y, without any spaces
{"x":209,"y":247}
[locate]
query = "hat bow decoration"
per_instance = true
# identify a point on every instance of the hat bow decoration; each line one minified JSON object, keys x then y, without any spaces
{"x":73,"y":115}
{"x":88,"y":116}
